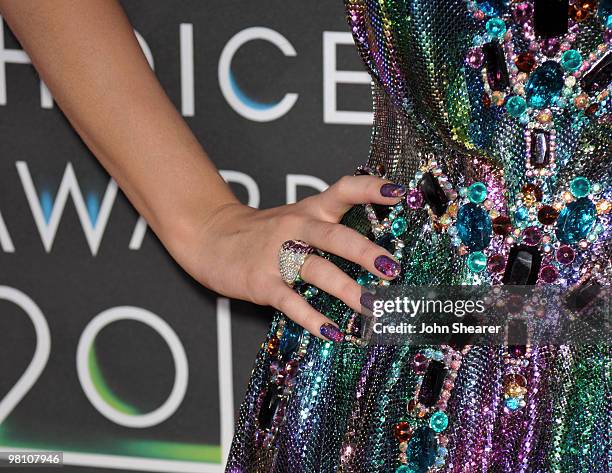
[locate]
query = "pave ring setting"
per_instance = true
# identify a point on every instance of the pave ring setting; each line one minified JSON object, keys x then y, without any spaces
{"x":291,"y":258}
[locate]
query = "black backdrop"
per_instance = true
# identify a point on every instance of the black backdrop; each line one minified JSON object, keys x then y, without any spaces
{"x":158,"y":389}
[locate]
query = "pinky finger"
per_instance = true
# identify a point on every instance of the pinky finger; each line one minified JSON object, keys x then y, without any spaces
{"x":302,"y":313}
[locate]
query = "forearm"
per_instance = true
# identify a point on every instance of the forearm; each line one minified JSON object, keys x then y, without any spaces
{"x":88,"y":56}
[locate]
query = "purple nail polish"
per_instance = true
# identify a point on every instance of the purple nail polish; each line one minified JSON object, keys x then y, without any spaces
{"x":331,"y":332}
{"x":367,"y":300}
{"x":387,"y":266}
{"x":392,"y":190}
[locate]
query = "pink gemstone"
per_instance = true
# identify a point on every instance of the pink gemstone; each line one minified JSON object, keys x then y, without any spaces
{"x":419,"y":363}
{"x":475,"y":58}
{"x":549,"y":274}
{"x":414,"y":199}
{"x":550,"y":47}
{"x":532,"y":236}
{"x":522,"y":12}
{"x":455,"y":365}
{"x":565,"y":254}
{"x":496,"y":264}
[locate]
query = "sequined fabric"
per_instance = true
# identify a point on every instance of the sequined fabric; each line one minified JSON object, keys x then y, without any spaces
{"x":342,"y":409}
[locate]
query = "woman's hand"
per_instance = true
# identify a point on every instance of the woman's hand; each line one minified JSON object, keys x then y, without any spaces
{"x":87,"y":54}
{"x":235,"y":251}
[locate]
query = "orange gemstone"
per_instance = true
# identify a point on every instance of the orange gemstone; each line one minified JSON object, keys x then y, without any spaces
{"x":547,"y":215}
{"x":514,"y":378}
{"x":273,"y":345}
{"x":581,"y":100}
{"x":412,"y":404}
{"x":531,"y":194}
{"x":486,"y":100}
{"x":402,"y":431}
{"x":591,"y":109}
{"x":603,"y":207}
{"x":582,"y":10}
{"x":514,"y":385}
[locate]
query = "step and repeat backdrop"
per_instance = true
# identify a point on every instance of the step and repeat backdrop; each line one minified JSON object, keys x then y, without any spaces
{"x":109,"y":352}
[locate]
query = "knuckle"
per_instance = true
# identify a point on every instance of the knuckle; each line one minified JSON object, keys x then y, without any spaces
{"x":283,"y":301}
{"x":347,"y":290}
{"x":343,"y":184}
{"x":292,"y":221}
{"x":332,"y":232}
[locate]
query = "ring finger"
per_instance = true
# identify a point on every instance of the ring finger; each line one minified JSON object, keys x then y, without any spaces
{"x":326,"y":276}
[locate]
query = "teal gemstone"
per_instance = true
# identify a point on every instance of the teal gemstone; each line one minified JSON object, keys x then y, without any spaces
{"x":496,"y":27}
{"x":408,"y":468}
{"x":609,"y":22}
{"x":516,"y":106}
{"x":576,"y":220}
{"x":521,"y":215}
{"x":487,"y":8}
{"x":290,"y":338}
{"x":477,"y":192}
{"x":398,"y":227}
{"x":512,"y":403}
{"x":309,"y":292}
{"x":422,"y":449}
{"x":474,"y":227}
{"x":477,"y":261}
{"x":437,"y":355}
{"x":544,"y":85}
{"x":365,"y":279}
{"x":440,"y":462}
{"x":571,"y":60}
{"x":438,"y":421}
{"x":580,"y":187}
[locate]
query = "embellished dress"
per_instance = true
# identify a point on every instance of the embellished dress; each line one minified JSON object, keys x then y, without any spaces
{"x":496,"y":116}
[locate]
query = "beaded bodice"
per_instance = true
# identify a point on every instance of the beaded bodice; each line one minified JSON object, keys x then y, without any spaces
{"x":468,"y":73}
{"x":506,"y":93}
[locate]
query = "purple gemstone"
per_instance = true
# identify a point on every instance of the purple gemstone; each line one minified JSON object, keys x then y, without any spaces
{"x":414,"y":199}
{"x":517,"y":350}
{"x":565,"y":254}
{"x":549,"y":274}
{"x":532,"y":236}
{"x":497,"y":71}
{"x":598,"y":76}
{"x":475,"y":58}
{"x":522,"y":12}
{"x":550,"y":47}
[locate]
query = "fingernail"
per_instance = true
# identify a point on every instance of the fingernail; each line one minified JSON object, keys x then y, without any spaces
{"x":392,"y":190}
{"x":367,"y":300}
{"x":331,"y":332}
{"x":387,"y":266}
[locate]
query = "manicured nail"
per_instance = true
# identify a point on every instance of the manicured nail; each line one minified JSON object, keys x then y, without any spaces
{"x":392,"y":190}
{"x":387,"y":266}
{"x":331,"y":332}
{"x":367,"y":300}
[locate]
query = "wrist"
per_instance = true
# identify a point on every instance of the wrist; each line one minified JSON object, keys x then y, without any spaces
{"x":190,"y":234}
